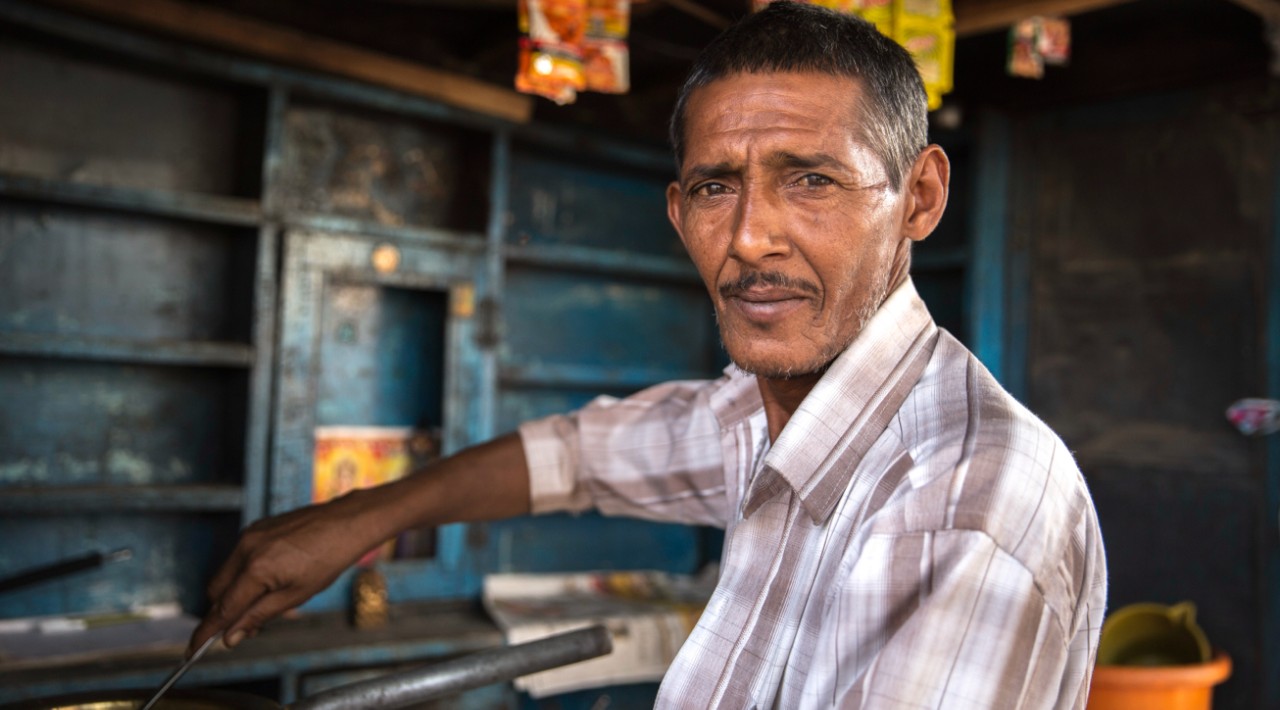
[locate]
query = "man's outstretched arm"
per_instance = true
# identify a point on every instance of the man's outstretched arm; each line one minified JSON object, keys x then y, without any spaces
{"x":282,"y":561}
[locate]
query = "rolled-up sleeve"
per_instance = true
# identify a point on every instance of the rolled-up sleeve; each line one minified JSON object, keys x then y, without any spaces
{"x":654,"y":455}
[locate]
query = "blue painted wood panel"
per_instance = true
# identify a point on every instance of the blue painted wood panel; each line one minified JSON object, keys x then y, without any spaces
{"x":69,"y":271}
{"x":70,"y":117}
{"x":593,"y":319}
{"x":382,"y":169}
{"x":571,"y":543}
{"x":577,"y":203}
{"x":67,"y":422}
{"x":520,"y":404}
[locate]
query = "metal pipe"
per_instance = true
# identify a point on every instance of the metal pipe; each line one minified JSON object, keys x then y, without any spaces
{"x":63,"y":568}
{"x":474,"y":670}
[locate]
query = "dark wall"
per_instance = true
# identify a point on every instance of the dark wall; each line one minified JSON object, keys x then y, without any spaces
{"x":1146,"y":223}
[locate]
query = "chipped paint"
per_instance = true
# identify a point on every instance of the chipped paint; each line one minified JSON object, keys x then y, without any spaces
{"x":24,"y":470}
{"x":106,"y":399}
{"x":74,"y":468}
{"x":129,"y":466}
{"x":179,"y":468}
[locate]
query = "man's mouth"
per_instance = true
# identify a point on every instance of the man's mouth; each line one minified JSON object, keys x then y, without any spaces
{"x":766,"y":305}
{"x":766,"y":297}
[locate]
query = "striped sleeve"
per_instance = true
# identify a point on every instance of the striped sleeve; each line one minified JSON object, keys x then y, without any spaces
{"x":655,"y":455}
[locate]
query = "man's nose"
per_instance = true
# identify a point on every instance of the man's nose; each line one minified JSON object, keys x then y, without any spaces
{"x":760,"y":231}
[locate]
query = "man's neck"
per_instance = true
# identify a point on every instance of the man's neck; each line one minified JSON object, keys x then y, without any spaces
{"x":782,"y":397}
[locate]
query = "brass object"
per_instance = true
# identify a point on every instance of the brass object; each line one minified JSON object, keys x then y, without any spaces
{"x":369,"y":597}
{"x":385,"y":258}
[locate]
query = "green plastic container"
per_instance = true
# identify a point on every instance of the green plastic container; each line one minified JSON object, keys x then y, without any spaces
{"x":1153,"y":635}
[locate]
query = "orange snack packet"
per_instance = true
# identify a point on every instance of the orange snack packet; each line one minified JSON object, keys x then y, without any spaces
{"x":550,"y":61}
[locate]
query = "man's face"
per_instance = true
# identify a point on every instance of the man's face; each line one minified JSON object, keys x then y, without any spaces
{"x":788,"y":216}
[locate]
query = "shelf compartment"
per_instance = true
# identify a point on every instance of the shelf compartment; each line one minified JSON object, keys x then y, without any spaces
{"x":127,"y":125}
{"x":73,"y":271}
{"x":86,"y":423}
{"x":558,"y":317}
{"x":167,"y":203}
{"x":142,"y":499}
{"x":194,"y":353}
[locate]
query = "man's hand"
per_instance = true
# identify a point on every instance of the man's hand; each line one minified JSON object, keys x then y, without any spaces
{"x":281,"y":562}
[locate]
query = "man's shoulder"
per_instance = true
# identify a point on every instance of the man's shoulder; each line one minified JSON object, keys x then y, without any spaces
{"x":983,"y":461}
{"x":958,"y":411}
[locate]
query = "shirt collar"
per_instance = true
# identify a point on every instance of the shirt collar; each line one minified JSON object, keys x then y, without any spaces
{"x":849,"y":408}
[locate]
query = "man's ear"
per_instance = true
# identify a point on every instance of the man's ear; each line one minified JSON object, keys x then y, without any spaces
{"x":674,"y":200}
{"x":925,"y":193}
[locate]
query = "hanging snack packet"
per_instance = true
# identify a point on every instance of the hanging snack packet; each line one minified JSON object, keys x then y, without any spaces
{"x":1024,"y":51}
{"x":924,"y":28}
{"x":932,"y":46}
{"x":850,"y":6}
{"x":878,"y":13}
{"x":605,"y":59}
{"x":1054,"y":40}
{"x":551,"y":49}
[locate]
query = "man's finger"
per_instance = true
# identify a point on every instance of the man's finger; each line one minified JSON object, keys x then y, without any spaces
{"x":229,"y":606}
{"x":226,"y":574}
{"x":263,"y":610}
{"x":209,"y":626}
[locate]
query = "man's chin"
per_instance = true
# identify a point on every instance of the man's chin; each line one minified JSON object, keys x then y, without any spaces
{"x":780,"y":368}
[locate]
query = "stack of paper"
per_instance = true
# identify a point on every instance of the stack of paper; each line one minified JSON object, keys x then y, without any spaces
{"x":650,"y":614}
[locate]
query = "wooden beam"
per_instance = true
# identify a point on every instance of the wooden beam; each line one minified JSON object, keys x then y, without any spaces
{"x":1268,"y":10}
{"x":700,"y":12}
{"x":211,"y":26}
{"x":978,"y":16}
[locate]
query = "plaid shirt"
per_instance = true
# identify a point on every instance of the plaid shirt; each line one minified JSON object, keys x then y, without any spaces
{"x":915,"y":538}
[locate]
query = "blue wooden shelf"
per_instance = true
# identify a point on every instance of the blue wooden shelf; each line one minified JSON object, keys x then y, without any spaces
{"x":468,"y":242}
{"x":193,"y":206}
{"x":176,"y":352}
{"x":288,"y":649}
{"x":199,"y":498}
{"x":558,"y":256}
{"x":515,"y":374}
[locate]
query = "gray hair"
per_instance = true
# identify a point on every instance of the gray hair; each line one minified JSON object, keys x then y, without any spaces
{"x":791,"y":37}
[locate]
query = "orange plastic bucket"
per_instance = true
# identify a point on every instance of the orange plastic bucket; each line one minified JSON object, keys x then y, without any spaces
{"x":1185,"y":687}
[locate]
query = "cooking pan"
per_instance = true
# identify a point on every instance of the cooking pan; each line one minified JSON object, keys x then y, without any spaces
{"x":396,"y":690}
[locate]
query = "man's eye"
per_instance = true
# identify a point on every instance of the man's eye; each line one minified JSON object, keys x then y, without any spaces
{"x":708,"y":189}
{"x":815,"y":180}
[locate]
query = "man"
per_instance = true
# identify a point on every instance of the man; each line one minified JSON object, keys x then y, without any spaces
{"x":900,"y":531}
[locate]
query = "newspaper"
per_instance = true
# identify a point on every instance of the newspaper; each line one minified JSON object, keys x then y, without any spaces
{"x":649,"y":614}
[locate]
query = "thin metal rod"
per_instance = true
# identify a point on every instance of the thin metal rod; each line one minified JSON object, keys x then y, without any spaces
{"x":180,"y":670}
{"x":474,"y":670}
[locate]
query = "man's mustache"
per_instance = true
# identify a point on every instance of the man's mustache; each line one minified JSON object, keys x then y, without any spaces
{"x":751,"y":279}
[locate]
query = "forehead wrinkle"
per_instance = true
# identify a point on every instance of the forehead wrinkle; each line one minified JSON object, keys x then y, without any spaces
{"x":709,"y":171}
{"x":788,"y":159}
